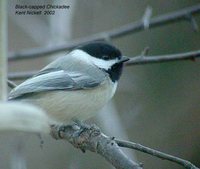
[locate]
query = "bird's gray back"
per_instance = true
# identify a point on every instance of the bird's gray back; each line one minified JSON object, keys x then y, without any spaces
{"x":65,"y":73}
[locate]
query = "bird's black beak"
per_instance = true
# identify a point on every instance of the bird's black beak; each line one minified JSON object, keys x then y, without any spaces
{"x":123,"y":59}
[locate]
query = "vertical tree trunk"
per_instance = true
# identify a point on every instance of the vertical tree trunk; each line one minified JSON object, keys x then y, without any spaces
{"x":3,"y":49}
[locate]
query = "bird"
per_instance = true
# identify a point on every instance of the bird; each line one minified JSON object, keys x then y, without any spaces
{"x":76,"y":85}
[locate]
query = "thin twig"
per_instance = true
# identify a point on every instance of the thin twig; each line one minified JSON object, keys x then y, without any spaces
{"x":193,"y":22}
{"x":138,"y":60}
{"x":147,"y":16}
{"x":11,"y":84}
{"x":21,"y":75}
{"x":164,"y":156}
{"x":115,"y":33}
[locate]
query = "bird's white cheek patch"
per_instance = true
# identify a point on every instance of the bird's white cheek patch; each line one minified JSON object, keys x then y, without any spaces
{"x":104,"y":64}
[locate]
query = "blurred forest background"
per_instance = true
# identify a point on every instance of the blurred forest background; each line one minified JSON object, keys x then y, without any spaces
{"x":157,"y":105}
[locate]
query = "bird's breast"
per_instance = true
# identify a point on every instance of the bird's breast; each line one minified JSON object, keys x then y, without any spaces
{"x":63,"y":105}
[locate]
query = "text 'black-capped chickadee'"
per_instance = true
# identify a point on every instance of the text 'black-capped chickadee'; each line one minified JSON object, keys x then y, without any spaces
{"x":74,"y":86}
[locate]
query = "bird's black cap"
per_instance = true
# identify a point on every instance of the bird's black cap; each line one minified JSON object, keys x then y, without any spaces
{"x":101,"y":50}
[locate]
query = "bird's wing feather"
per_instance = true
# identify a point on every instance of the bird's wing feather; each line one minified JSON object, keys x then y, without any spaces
{"x":55,"y":79}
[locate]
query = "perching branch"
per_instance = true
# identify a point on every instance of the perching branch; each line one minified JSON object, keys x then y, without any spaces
{"x":184,"y":14}
{"x":90,"y":138}
{"x":138,"y":60}
{"x":156,"y":153}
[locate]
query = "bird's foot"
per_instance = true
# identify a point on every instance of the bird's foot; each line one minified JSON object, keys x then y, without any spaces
{"x":78,"y":133}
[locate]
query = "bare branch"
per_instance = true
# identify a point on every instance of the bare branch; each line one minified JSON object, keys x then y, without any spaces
{"x":193,"y":22}
{"x":115,"y":33}
{"x":147,"y":16}
{"x":164,"y":156}
{"x":138,"y":60}
{"x":90,"y":138}
{"x":11,"y":84}
{"x":145,"y":51}
{"x":21,"y":75}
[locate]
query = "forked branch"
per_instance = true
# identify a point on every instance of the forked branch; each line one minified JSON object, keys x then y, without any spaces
{"x":146,"y":22}
{"x":138,"y":60}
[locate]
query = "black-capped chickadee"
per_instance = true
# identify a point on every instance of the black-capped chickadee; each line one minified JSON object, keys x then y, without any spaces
{"x":76,"y":85}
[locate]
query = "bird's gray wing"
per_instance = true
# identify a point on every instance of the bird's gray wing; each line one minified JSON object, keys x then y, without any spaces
{"x":55,"y":79}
